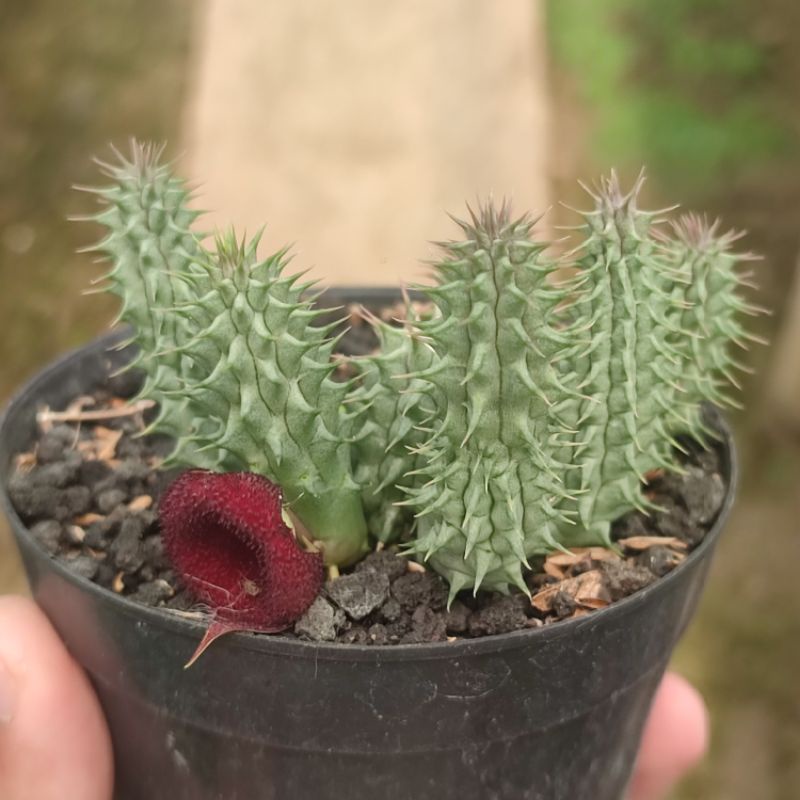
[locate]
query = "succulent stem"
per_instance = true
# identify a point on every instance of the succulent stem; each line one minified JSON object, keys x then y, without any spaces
{"x":519,"y":415}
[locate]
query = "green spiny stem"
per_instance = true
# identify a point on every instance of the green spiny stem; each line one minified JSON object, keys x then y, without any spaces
{"x":394,"y":412}
{"x":152,"y":249}
{"x":266,"y":380}
{"x":630,"y":373}
{"x":490,"y":482}
{"x":709,"y":322}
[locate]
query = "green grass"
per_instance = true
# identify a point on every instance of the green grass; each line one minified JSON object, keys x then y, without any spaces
{"x":676,"y":85}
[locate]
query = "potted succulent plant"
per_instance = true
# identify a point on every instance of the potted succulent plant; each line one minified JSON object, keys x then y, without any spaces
{"x":474,"y":545}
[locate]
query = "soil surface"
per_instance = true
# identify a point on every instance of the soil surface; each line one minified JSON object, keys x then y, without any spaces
{"x":90,"y":485}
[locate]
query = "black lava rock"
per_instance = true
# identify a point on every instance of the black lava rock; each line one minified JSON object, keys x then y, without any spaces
{"x":75,"y":500}
{"x":503,"y":614}
{"x":659,"y":560}
{"x":633,"y":524}
{"x":457,"y":618}
{"x":354,"y":635}
{"x":420,"y":589}
{"x":624,"y":579}
{"x":377,"y":634}
{"x":153,"y":593}
{"x":391,"y":610}
{"x":92,"y":472}
{"x":153,"y":550}
{"x":48,"y":534}
{"x":43,"y":502}
{"x":57,"y":475}
{"x":320,"y":622}
{"x":360,"y":593}
{"x":100,"y":533}
{"x":564,"y":605}
{"x":54,"y":443}
{"x":703,"y":495}
{"x":126,"y":550}
{"x":386,"y":562}
{"x":427,"y":625}
{"x":132,"y":470}
{"x":672,"y":519}
{"x":85,"y":566}
{"x":110,"y":499}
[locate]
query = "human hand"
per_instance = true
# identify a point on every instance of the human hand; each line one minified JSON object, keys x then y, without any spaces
{"x":54,"y":742}
{"x":675,"y":739}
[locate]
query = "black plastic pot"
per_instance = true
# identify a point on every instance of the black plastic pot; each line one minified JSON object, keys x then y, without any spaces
{"x":554,"y":712}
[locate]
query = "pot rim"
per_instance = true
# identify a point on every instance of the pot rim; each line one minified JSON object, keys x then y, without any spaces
{"x":299,"y":648}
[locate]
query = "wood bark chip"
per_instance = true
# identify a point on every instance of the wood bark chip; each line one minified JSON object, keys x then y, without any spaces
{"x":639,"y":543}
{"x":102,"y":447}
{"x":85,"y":520}
{"x":107,"y":439}
{"x":118,"y":585}
{"x":25,"y":462}
{"x":587,"y":589}
{"x":75,"y":412}
{"x":140,"y":503}
{"x":576,"y":554}
{"x":554,"y":570}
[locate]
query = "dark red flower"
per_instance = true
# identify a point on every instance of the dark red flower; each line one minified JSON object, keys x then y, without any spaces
{"x":225,"y":535}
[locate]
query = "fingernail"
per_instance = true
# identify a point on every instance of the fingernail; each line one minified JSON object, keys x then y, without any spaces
{"x":8,"y":694}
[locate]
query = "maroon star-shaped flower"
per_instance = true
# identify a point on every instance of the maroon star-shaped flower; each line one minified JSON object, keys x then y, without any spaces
{"x":227,"y":539}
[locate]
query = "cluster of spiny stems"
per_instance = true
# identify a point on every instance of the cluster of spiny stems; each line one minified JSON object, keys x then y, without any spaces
{"x":519,"y":412}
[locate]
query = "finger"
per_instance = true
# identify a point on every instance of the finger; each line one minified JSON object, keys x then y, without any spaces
{"x":675,"y":739}
{"x":53,"y":739}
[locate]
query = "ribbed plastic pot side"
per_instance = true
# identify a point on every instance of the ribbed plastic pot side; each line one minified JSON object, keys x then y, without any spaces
{"x":552,"y":712}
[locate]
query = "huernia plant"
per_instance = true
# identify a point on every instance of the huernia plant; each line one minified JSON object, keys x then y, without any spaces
{"x":227,"y":341}
{"x":517,"y":411}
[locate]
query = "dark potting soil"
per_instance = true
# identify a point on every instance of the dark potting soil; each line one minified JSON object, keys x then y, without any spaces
{"x":89,"y":489}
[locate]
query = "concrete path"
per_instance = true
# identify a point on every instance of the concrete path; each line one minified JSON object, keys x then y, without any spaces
{"x":351,"y":127}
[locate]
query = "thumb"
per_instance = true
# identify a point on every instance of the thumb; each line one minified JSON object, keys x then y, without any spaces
{"x":675,"y":739}
{"x":53,"y":738}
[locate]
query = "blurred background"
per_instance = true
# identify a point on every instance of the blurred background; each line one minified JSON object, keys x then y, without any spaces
{"x":351,"y":128}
